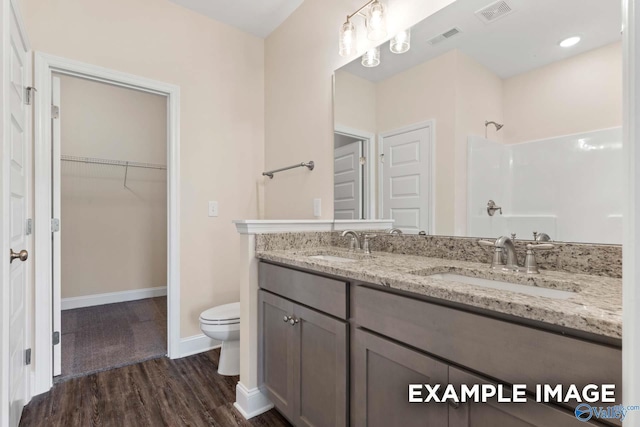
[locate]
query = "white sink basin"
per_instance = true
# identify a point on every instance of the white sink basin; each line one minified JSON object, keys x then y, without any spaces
{"x":506,"y":286}
{"x":332,"y":258}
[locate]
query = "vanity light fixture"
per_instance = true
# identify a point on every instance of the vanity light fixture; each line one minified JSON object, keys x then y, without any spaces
{"x":348,"y":37}
{"x":371,"y":58}
{"x":570,"y":41}
{"x":375,"y":22}
{"x":401,"y":42}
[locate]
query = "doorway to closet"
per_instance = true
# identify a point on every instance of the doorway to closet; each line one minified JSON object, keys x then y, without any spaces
{"x":109,"y":187}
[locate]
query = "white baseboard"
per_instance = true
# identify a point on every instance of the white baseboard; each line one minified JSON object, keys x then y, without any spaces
{"x":251,"y":403}
{"x":196,"y":344}
{"x":112,"y":297}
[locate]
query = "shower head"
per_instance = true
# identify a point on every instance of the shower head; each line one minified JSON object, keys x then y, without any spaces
{"x":497,"y":125}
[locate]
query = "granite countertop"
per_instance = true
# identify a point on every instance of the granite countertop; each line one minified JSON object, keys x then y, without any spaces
{"x":596,"y":306}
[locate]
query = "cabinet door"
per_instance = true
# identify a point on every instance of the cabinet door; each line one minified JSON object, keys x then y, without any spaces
{"x":382,"y":371}
{"x":491,"y":413}
{"x":276,"y":340}
{"x":319,"y":369}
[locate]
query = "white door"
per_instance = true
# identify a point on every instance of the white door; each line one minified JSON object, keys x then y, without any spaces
{"x":19,"y":158}
{"x":347,"y":181}
{"x":56,"y":249}
{"x":406,"y":173}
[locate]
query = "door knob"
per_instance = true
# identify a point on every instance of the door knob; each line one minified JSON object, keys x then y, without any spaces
{"x":22,"y":255}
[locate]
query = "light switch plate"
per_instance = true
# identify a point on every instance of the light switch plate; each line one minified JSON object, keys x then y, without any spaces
{"x":317,"y":207}
{"x":213,"y":208}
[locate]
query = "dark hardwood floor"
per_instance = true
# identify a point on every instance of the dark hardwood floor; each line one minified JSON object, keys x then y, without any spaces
{"x":159,"y":392}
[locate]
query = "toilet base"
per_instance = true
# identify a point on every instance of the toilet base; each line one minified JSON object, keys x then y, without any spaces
{"x":229,"y":363}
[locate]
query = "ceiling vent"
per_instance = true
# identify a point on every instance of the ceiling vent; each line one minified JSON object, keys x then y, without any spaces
{"x":444,"y":36}
{"x":494,"y":11}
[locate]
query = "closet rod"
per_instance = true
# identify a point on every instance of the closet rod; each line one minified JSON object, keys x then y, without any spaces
{"x":122,"y":163}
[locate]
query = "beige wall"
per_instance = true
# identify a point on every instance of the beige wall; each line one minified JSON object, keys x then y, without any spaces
{"x":113,"y":238}
{"x":354,"y":102}
{"x":300,"y":58}
{"x":579,"y":94}
{"x":220,"y":71}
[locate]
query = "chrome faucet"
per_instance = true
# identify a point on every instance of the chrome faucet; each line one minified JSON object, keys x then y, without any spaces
{"x":359,"y":242}
{"x":508,"y":252}
{"x":394,"y":231}
{"x":355,"y":239}
{"x":504,"y":256}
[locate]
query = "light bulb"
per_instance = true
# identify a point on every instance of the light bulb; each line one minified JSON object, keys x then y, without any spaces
{"x":371,"y":58}
{"x":401,"y":42}
{"x":347,"y":39}
{"x":571,"y":41}
{"x":376,"y":21}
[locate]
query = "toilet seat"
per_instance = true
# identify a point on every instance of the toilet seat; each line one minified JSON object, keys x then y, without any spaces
{"x":227,"y":314}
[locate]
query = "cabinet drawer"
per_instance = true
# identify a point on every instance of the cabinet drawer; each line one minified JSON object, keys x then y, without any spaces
{"x":321,"y":293}
{"x":506,"y":351}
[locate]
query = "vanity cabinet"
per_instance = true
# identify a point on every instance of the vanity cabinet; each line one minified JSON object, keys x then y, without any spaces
{"x":383,"y":369}
{"x":304,"y":352}
{"x":512,"y":353}
{"x":316,"y":376}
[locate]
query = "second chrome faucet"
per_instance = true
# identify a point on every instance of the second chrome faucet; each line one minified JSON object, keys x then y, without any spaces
{"x":505,"y":256}
{"x":359,"y":242}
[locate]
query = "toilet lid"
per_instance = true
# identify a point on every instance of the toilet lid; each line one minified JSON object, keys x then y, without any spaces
{"x":229,"y":312}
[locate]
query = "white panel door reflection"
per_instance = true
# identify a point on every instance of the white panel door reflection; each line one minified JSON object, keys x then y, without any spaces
{"x":406,"y":170}
{"x":347,"y":182}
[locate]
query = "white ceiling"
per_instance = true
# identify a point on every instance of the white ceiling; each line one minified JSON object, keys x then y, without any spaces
{"x":257,"y":17}
{"x":526,"y":39}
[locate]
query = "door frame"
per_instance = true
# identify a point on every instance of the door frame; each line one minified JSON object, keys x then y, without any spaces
{"x":369,"y":150}
{"x":431,"y":124}
{"x":44,"y":66}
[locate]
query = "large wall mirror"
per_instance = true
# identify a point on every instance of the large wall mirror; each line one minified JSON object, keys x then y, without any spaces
{"x":493,"y":122}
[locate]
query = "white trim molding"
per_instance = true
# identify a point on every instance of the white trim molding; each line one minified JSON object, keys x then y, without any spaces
{"x":45,"y":65}
{"x":631,"y":217}
{"x":268,"y":226}
{"x":251,"y":402}
{"x":196,"y":344}
{"x":363,"y":224}
{"x":112,"y":297}
{"x":260,"y":226}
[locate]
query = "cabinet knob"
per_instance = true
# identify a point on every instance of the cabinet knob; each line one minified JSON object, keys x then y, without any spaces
{"x":293,"y":321}
{"x":285,"y":319}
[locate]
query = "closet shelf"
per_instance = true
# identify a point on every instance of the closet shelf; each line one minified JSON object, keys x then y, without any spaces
{"x":122,"y":163}
{"x":109,"y":162}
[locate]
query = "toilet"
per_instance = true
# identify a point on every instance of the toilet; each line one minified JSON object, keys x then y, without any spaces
{"x":222,"y":323}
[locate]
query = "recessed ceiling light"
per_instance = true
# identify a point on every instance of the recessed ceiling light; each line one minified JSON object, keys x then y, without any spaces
{"x":570,"y":41}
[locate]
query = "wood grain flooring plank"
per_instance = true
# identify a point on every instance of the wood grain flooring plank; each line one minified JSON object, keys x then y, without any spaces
{"x":154,"y":393}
